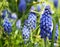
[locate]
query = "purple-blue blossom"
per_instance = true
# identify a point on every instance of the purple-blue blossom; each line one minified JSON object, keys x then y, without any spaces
{"x":32,"y":8}
{"x":25,"y":33}
{"x":18,"y":24}
{"x":46,"y":24}
{"x":32,"y":20}
{"x":29,"y":24}
{"x":22,"y":5}
{"x":55,"y":3}
{"x":4,"y":13}
{"x":7,"y":25}
{"x":38,"y":7}
{"x":14,"y":16}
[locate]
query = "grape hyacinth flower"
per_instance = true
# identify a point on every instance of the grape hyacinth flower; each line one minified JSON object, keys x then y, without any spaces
{"x":22,"y":6}
{"x":56,"y":3}
{"x":7,"y":25}
{"x":46,"y":24}
{"x":4,"y":13}
{"x":32,"y":8}
{"x":13,"y":16}
{"x":32,"y":20}
{"x":29,"y":24}
{"x":25,"y":33}
{"x":18,"y":24}
{"x":38,"y":7}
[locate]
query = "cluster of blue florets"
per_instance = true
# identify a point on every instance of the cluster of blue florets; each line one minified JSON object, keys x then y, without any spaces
{"x":4,"y":13}
{"x":7,"y":25}
{"x":46,"y":24}
{"x":8,"y":18}
{"x":22,"y":5}
{"x":38,"y":7}
{"x":26,"y":33}
{"x":7,"y":14}
{"x":18,"y":24}
{"x":32,"y":20}
{"x":56,"y":3}
{"x":29,"y":24}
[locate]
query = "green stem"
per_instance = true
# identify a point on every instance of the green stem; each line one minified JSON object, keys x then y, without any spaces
{"x":59,"y":38}
{"x":31,"y":37}
{"x":45,"y":41}
{"x":53,"y":33}
{"x":16,"y":8}
{"x":1,"y":43}
{"x":0,"y":20}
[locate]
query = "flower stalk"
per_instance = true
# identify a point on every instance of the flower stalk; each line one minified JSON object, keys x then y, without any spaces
{"x":53,"y":33}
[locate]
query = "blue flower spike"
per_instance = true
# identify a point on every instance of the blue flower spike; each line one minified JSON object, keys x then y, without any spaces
{"x":25,"y":33}
{"x":29,"y":24}
{"x":55,"y":3}
{"x":38,"y":7}
{"x":18,"y":24}
{"x":22,"y":6}
{"x":14,"y":16}
{"x":32,"y":8}
{"x":7,"y":25}
{"x":4,"y":13}
{"x":46,"y":24}
{"x":32,"y":20}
